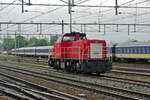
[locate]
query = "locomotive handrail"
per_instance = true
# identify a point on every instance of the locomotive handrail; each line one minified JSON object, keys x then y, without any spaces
{"x":69,"y":52}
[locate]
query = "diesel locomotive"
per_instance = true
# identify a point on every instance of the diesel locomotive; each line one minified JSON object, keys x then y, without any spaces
{"x":73,"y":52}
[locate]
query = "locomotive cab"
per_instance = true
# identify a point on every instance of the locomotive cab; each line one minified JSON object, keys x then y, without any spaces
{"x":71,"y":37}
{"x":73,"y":52}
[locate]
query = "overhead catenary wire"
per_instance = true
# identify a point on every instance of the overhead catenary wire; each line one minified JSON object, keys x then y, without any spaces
{"x":50,"y":11}
{"x":63,"y":1}
{"x":94,"y":6}
{"x":82,"y":1}
{"x":8,"y":5}
{"x":31,"y":18}
{"x":127,"y":2}
{"x":103,"y":11}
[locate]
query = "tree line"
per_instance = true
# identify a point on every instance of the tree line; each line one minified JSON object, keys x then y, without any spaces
{"x":20,"y":41}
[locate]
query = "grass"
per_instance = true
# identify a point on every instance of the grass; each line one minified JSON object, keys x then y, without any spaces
{"x":5,"y":55}
{"x":62,"y":88}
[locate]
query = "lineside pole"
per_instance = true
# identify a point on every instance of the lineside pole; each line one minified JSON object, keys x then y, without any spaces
{"x":22,"y":6}
{"x":15,"y":44}
{"x":70,"y":12}
{"x":62,"y":27}
{"x":116,"y":7}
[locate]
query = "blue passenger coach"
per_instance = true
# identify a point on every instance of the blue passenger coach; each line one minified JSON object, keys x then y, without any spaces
{"x":43,"y":51}
{"x":133,"y":51}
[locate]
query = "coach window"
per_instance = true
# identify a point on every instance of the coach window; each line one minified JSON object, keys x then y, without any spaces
{"x":120,"y":50}
{"x":139,"y":50}
{"x":148,"y":50}
{"x":135,"y":50}
{"x":143,"y":50}
{"x":128,"y":50}
{"x":131,"y":50}
{"x":123,"y":50}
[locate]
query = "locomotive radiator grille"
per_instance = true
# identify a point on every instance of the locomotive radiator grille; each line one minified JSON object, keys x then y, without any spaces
{"x":96,"y":50}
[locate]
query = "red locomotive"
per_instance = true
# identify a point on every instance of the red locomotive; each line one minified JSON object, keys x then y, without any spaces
{"x":73,"y":52}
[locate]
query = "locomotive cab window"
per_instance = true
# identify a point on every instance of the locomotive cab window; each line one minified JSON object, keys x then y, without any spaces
{"x":58,"y":40}
{"x":82,"y":37}
{"x":69,"y":38}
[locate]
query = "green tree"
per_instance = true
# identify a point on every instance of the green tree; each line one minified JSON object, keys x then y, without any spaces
{"x":133,"y":40}
{"x":42,"y":42}
{"x":8,"y":44}
{"x":21,"y":41}
{"x":53,"y":39}
{"x":0,"y":44}
{"x":33,"y":41}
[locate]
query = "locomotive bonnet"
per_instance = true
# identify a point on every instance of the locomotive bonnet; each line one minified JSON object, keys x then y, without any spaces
{"x":73,"y":52}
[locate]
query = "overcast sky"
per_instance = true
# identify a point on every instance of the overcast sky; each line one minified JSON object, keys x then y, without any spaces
{"x":82,"y":15}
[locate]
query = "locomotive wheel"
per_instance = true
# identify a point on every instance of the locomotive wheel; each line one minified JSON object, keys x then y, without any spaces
{"x":78,"y":67}
{"x":67,"y":67}
{"x":73,"y":68}
{"x":50,"y":63}
{"x":57,"y":65}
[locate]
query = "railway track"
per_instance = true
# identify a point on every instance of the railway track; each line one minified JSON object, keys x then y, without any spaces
{"x":18,"y":93}
{"x":102,"y":77}
{"x":133,"y":69}
{"x":136,"y":70}
{"x":23,"y":90}
{"x":127,"y":83}
{"x":130,"y":81}
{"x":103,"y":89}
{"x":132,"y":65}
{"x":117,"y":71}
